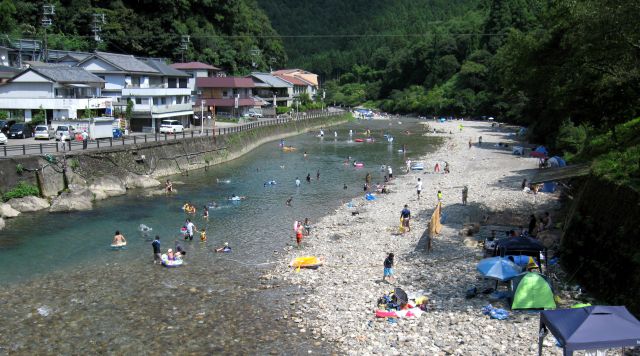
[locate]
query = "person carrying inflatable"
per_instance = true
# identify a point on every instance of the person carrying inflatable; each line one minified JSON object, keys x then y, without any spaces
{"x":188,"y":208}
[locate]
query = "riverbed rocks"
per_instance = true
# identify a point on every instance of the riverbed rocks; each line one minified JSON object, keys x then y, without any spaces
{"x":28,"y":204}
{"x":340,"y":298}
{"x":109,"y":185}
{"x":78,"y":200}
{"x":1,"y":223}
{"x":139,"y":181}
{"x":6,"y":211}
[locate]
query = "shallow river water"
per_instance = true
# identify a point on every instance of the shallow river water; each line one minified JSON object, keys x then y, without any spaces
{"x":65,"y":291}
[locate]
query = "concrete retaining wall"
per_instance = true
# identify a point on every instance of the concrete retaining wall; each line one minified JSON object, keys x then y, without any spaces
{"x":156,"y":159}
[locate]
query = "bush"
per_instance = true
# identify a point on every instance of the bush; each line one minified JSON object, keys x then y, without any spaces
{"x":571,"y":139}
{"x":23,"y":189}
{"x":282,"y":110}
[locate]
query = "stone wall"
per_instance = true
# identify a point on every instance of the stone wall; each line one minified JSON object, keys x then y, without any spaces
{"x":154,"y":159}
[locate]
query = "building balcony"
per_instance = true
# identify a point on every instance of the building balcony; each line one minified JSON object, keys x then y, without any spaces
{"x":54,"y":103}
{"x":162,"y":109}
{"x":146,"y":92}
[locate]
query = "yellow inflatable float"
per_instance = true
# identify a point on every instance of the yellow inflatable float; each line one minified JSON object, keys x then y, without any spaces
{"x":306,"y":262}
{"x":288,"y":148}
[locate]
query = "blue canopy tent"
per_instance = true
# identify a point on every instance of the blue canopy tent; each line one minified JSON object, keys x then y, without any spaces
{"x":590,"y":328}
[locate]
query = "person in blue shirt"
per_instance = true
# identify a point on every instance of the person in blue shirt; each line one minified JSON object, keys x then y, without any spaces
{"x":405,"y":215}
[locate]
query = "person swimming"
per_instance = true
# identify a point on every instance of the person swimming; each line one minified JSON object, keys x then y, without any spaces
{"x":224,"y":248}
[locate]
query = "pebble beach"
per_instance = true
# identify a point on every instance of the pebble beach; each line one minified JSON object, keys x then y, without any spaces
{"x":337,"y":301}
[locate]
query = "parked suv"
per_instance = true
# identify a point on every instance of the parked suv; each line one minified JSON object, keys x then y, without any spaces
{"x":171,"y":126}
{"x":5,"y":125}
{"x":64,"y":133}
{"x":21,"y":130}
{"x":42,"y":132}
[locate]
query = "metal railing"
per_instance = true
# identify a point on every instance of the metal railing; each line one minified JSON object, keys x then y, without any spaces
{"x":75,"y":145}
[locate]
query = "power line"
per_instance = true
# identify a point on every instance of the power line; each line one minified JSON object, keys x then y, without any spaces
{"x":361,"y":35}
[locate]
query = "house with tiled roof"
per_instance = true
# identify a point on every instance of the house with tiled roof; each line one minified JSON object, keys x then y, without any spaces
{"x":300,"y":85}
{"x":226,"y":96}
{"x":307,"y":77}
{"x":157,"y":90}
{"x":197,"y":70}
{"x":272,"y":89}
{"x":61,"y":90}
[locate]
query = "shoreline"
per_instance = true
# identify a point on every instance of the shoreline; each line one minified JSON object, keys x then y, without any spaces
{"x":340,"y":298}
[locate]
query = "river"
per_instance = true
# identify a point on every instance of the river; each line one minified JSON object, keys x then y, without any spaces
{"x":66,"y":291}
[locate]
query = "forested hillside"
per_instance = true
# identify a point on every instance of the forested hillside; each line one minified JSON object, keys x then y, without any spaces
{"x":535,"y":62}
{"x":223,"y":33}
{"x":331,"y":36}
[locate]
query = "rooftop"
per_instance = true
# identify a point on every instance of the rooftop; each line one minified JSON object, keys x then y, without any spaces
{"x":271,"y":80}
{"x":224,"y":82}
{"x":293,"y":80}
{"x":193,"y":65}
{"x":65,"y":74}
{"x":125,"y":62}
{"x":165,"y":69}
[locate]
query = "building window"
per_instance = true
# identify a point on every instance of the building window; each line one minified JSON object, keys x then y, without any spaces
{"x":138,"y":101}
{"x":225,"y":93}
{"x":156,"y":101}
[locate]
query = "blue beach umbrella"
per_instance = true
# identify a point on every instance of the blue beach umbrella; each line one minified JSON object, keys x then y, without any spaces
{"x":499,"y":268}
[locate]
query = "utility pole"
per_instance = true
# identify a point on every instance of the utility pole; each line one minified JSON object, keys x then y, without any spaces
{"x":184,"y":44}
{"x":47,"y":12}
{"x":96,"y":26}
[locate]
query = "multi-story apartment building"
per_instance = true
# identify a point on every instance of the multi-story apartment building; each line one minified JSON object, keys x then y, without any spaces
{"x":156,"y":90}
{"x":63,"y":92}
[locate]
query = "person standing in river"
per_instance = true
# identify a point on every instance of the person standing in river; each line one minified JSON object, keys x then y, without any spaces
{"x":367,"y":179}
{"x":308,"y":177}
{"x":297,"y":182}
{"x":157,"y":253}
{"x":318,"y":174}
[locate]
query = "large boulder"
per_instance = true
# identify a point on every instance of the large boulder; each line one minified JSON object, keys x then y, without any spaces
{"x":110,"y":185}
{"x":72,"y":201}
{"x":6,"y":211}
{"x":139,"y":181}
{"x":27,"y":204}
{"x":1,"y":223}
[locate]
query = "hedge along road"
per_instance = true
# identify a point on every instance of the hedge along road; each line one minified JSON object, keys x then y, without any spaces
{"x":26,"y":147}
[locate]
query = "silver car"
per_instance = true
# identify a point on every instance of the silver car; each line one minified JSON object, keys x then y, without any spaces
{"x":43,"y":132}
{"x":64,"y":133}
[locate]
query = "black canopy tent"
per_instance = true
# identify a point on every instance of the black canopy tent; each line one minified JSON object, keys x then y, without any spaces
{"x":525,"y":246}
{"x":590,"y":328}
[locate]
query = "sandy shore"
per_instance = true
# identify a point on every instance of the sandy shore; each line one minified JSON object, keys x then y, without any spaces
{"x":341,"y":297}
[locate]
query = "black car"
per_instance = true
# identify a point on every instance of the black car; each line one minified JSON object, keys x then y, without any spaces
{"x":5,"y":125}
{"x":21,"y":130}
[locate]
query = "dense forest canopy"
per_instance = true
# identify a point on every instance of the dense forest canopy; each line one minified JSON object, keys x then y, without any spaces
{"x":233,"y":34}
{"x":534,"y":62}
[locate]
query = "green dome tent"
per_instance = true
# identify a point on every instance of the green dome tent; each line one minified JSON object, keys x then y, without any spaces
{"x":531,"y":291}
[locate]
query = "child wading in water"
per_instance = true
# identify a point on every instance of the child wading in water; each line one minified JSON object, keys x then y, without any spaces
{"x":388,"y":269}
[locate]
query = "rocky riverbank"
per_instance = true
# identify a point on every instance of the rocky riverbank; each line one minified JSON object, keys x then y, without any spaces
{"x":340,"y":298}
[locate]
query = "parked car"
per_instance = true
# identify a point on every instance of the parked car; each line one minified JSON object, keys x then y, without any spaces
{"x":3,"y":139}
{"x":171,"y":126}
{"x":43,"y":132}
{"x":5,"y":125}
{"x":254,"y":113}
{"x":64,"y":133}
{"x":21,"y":130}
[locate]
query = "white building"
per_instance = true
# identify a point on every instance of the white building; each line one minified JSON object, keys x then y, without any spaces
{"x":64,"y":92}
{"x":157,"y":91}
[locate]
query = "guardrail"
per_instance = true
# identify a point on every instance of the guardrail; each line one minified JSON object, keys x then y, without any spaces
{"x":69,"y":146}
